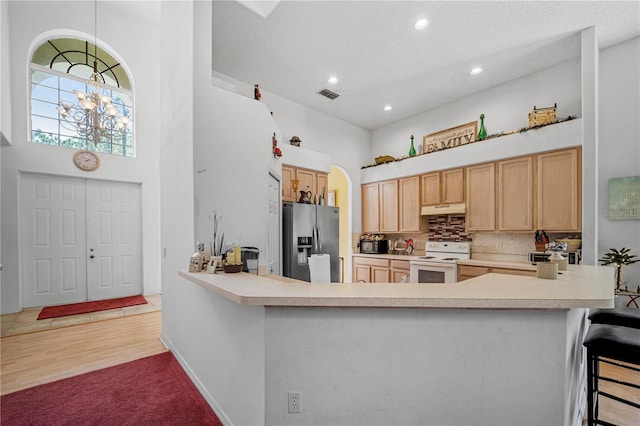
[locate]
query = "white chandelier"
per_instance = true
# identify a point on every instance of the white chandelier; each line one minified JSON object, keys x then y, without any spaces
{"x":94,"y":117}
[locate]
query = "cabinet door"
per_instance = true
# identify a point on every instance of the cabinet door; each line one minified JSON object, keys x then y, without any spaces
{"x":409,"y":210}
{"x":389,"y":206}
{"x":558,"y":191}
{"x":322,"y":184}
{"x":370,"y":207}
{"x":515,"y":194}
{"x":379,"y":275}
{"x":431,"y":189}
{"x":307,"y":180}
{"x":481,"y":200}
{"x":465,"y":271}
{"x":397,"y":274}
{"x":361,"y":273}
{"x":452,"y":186}
{"x":288,"y":174}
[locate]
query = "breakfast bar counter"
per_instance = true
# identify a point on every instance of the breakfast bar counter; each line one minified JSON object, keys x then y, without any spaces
{"x":578,"y":287}
{"x":495,"y":349}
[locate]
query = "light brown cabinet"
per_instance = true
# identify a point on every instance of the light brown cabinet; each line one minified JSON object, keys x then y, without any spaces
{"x":308,"y":180}
{"x":559,"y":202}
{"x":466,"y":271}
{"x":409,"y":206}
{"x":380,"y":270}
{"x":389,"y":206}
{"x":481,"y":199}
{"x":400,"y":271}
{"x":370,"y":270}
{"x":370,"y":208}
{"x":515,"y":194}
{"x":380,"y":206}
{"x":443,"y":187}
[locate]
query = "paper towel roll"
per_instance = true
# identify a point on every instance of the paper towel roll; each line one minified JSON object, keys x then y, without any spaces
{"x":320,"y":268}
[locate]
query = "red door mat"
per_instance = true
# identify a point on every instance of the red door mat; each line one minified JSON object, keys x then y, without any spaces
{"x":85,"y":307}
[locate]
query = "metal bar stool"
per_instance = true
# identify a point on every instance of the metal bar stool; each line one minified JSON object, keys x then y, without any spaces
{"x":611,"y":344}
{"x":626,"y":317}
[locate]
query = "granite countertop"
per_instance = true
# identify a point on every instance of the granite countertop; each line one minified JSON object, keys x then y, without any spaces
{"x":581,"y":286}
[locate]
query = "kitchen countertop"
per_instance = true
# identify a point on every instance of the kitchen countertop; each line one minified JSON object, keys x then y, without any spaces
{"x":389,"y":256}
{"x":582,"y":286}
{"x":526,"y":266}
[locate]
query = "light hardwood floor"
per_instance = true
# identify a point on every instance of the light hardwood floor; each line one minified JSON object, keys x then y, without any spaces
{"x":35,"y":358}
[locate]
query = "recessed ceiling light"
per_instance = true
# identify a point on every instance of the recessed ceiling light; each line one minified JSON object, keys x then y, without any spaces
{"x":388,"y":108}
{"x":421,"y":24}
{"x":333,"y":80}
{"x":476,"y":70}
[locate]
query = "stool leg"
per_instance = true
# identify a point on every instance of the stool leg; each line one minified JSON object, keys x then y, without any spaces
{"x":590,"y":387}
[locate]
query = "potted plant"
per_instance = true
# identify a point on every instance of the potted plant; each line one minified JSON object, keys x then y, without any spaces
{"x":618,"y":258}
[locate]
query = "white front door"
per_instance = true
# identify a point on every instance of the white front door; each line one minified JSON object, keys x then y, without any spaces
{"x":66,"y":221}
{"x":113,"y":240}
{"x":54,"y":267}
{"x":273,"y":233}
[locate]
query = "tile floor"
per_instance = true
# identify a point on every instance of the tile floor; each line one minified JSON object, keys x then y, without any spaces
{"x":27,"y":322}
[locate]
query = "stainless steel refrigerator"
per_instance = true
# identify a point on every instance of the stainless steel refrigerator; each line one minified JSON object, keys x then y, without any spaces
{"x":309,"y":229}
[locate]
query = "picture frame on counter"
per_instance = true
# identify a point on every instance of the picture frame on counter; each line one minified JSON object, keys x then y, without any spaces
{"x":450,"y":138}
{"x":331,"y":198}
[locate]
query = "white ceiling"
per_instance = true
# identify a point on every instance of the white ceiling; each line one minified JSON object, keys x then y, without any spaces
{"x":291,"y":48}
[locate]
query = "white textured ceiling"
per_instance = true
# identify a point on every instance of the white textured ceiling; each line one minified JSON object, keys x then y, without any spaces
{"x":380,"y":59}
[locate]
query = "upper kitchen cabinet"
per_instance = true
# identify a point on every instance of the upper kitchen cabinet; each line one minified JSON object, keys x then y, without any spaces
{"x":409,"y":206}
{"x":559,"y":190}
{"x":288,"y":174}
{"x":481,"y":197}
{"x":308,"y":180}
{"x":444,"y":187}
{"x":370,"y":208}
{"x":515,"y":194}
{"x":389,"y":206}
{"x":380,"y":206}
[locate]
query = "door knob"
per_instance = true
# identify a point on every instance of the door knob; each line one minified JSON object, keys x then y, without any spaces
{"x":91,"y":257}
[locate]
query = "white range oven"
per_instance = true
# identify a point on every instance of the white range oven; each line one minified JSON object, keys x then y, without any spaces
{"x":438,"y":265}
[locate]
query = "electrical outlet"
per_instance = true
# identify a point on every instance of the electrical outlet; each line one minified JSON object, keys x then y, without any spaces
{"x":294,"y":402}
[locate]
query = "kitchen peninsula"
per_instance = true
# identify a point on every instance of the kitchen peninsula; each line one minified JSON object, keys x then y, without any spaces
{"x":495,"y":349}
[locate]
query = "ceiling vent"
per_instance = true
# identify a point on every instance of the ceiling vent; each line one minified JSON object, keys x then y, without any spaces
{"x":328,"y":94}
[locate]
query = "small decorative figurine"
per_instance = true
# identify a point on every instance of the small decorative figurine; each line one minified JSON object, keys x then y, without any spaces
{"x":482,"y":134}
{"x":412,"y":151}
{"x":277,"y":153}
{"x":256,"y":92}
{"x":295,"y":141}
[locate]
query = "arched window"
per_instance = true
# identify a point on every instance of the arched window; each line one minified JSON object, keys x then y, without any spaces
{"x":81,"y":98}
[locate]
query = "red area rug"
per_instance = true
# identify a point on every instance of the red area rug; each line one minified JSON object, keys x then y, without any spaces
{"x":149,"y":391}
{"x":85,"y":307}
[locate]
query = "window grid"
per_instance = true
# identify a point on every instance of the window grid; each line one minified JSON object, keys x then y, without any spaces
{"x":46,"y":124}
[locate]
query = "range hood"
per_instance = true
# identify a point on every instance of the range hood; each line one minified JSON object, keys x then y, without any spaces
{"x":442,"y":209}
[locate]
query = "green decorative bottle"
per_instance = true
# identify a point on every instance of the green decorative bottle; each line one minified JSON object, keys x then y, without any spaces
{"x":482,"y":134}
{"x":412,"y":151}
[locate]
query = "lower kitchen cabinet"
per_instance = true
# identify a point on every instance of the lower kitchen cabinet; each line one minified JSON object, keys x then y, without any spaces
{"x":465,"y":271}
{"x":379,"y":270}
{"x":399,"y":269}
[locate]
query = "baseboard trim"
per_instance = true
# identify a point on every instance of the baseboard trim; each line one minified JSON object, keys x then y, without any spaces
{"x":222,"y":416}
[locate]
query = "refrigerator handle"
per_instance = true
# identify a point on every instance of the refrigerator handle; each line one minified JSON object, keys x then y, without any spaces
{"x":317,"y":242}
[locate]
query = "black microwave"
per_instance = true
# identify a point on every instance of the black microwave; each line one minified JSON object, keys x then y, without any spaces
{"x":374,"y":246}
{"x":573,"y":257}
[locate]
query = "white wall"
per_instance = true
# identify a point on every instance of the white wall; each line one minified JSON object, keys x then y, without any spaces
{"x":141,"y":55}
{"x":619,"y":130}
{"x":505,"y":107}
{"x":347,"y":145}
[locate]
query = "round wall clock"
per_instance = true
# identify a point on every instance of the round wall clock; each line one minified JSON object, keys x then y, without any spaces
{"x":86,"y":160}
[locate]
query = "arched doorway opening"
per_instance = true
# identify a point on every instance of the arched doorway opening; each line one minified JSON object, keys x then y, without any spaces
{"x":340,"y":187}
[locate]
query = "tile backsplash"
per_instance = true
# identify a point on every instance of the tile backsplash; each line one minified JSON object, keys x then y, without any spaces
{"x":447,"y":228}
